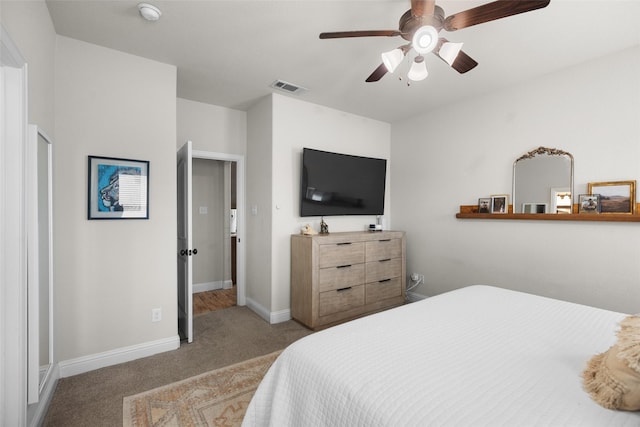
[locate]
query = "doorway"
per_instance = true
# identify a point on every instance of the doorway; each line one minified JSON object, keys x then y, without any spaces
{"x":187,"y":210}
{"x":214,"y":208}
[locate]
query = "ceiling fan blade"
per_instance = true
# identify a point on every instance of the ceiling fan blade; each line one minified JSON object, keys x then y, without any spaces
{"x":422,"y":7}
{"x":461,"y":64}
{"x":377,"y":74}
{"x":364,"y":33}
{"x":490,"y":12}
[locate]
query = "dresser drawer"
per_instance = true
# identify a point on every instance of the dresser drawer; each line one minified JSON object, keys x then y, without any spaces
{"x":383,"y":249}
{"x":380,"y":270}
{"x":340,"y":277}
{"x":388,"y":288}
{"x":341,"y":254}
{"x":340,"y":300}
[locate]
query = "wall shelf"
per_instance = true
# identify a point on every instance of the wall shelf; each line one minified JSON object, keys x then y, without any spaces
{"x":471,"y":212}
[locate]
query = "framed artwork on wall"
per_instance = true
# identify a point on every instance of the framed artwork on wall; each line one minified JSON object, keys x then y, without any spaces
{"x":615,"y":196}
{"x":118,"y":188}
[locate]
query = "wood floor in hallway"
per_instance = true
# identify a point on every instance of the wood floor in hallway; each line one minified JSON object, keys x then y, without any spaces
{"x":204,"y":302}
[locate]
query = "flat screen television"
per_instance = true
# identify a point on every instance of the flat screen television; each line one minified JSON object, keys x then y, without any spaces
{"x":341,"y":184}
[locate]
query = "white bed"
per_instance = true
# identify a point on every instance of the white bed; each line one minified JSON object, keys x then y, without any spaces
{"x":477,"y":356}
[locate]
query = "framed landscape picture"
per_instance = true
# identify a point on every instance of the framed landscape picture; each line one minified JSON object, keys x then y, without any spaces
{"x":118,"y":188}
{"x":615,"y":196}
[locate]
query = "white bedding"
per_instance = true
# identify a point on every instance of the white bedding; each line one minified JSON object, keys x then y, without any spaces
{"x":477,"y":356}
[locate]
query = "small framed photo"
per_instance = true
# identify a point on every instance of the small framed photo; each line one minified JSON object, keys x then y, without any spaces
{"x":484,"y":205}
{"x":589,"y":203}
{"x":500,"y":204}
{"x":616,"y":197}
{"x":534,"y":208}
{"x":118,"y":188}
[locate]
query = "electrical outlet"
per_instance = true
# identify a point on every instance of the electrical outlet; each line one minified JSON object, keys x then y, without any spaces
{"x":156,"y":314}
{"x":415,"y":277}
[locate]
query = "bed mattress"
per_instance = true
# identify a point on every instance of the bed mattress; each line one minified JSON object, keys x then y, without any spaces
{"x":477,"y":356}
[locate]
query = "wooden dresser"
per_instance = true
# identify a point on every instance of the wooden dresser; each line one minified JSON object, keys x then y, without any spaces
{"x":340,"y":276}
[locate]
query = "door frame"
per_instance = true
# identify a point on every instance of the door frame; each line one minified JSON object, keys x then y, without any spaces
{"x":240,"y":212}
{"x":13,"y":234}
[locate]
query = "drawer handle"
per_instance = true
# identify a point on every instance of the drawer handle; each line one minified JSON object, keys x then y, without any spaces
{"x":344,"y":289}
{"x":384,"y":240}
{"x":344,"y":266}
{"x":345,"y":243}
{"x":385,"y":260}
{"x":384,"y":280}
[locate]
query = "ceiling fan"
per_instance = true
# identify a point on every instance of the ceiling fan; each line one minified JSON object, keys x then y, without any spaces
{"x":421,"y":26}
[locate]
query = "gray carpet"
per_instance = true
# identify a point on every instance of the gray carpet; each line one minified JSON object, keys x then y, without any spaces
{"x":221,"y":338}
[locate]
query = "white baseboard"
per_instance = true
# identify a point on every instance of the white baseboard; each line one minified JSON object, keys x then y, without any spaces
{"x":84,"y":364}
{"x":212,"y":286}
{"x":272,"y":318}
{"x":280,"y":316}
{"x":413,"y":297}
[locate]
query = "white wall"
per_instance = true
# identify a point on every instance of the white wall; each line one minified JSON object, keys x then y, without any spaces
{"x":453,"y":155}
{"x":211,"y":128}
{"x":110,"y":274}
{"x":31,"y":28}
{"x":259,"y":216}
{"x":298,"y":124}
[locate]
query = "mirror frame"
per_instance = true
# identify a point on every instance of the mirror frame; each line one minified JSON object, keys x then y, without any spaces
{"x":539,"y":152}
{"x":38,"y":375}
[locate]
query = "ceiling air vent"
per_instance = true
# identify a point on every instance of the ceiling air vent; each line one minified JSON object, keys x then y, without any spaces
{"x":287,"y":87}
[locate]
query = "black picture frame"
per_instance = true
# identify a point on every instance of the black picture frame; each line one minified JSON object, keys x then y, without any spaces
{"x":117,"y":188}
{"x":484,"y":205}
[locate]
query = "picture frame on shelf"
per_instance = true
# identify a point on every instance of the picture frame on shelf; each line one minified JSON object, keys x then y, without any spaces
{"x":616,"y":197}
{"x":589,"y":203}
{"x":117,"y":188}
{"x":484,"y":205}
{"x":534,"y":208}
{"x":500,"y":204}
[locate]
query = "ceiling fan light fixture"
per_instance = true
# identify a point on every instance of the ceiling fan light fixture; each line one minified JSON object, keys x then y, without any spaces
{"x":149,"y":11}
{"x":392,"y":59}
{"x":449,"y":51}
{"x":425,"y":39}
{"x":418,"y":70}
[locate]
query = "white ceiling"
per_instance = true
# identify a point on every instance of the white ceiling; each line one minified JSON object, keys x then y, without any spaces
{"x":229,"y":52}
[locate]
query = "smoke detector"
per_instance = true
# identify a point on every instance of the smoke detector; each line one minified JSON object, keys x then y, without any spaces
{"x":149,"y":11}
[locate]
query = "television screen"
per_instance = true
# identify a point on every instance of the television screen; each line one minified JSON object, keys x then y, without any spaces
{"x":341,"y":184}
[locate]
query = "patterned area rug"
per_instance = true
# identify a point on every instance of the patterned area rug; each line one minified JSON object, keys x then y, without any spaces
{"x":215,"y":398}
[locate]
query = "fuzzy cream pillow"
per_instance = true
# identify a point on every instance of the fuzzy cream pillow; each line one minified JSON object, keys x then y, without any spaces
{"x":612,"y":378}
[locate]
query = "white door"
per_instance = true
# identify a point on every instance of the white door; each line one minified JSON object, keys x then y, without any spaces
{"x":185,"y":278}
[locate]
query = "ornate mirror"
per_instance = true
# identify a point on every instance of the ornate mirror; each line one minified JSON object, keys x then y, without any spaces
{"x":543,"y":182}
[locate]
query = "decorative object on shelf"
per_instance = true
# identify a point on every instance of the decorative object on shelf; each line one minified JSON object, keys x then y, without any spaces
{"x":616,"y":197}
{"x":534,"y":208}
{"x":324,"y":228}
{"x":118,"y":188}
{"x":543,"y":175}
{"x":499,"y":204}
{"x":484,"y":205}
{"x":308,"y":231}
{"x":589,"y":203}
